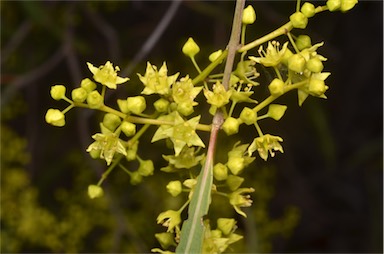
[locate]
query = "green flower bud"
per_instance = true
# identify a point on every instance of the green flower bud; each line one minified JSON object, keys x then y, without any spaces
{"x":95,"y":191}
{"x":79,"y":94}
{"x":308,"y":10}
{"x":95,"y":154}
{"x":249,"y":15}
{"x":166,"y":239}
{"x":276,"y":87}
{"x":132,"y":151}
{"x":185,"y":108}
{"x":123,"y":106}
{"x":248,"y":116}
{"x":136,"y":104}
{"x":212,"y":57}
{"x":174,"y":188}
{"x":235,"y":164}
{"x":136,"y":178}
{"x":111,"y":121}
{"x":190,"y":48}
{"x":296,"y":63}
{"x":128,"y":128}
{"x":333,"y":5}
{"x":234,"y":182}
{"x":161,"y":105}
{"x":88,"y":85}
{"x":231,"y":126}
{"x":317,"y":87}
{"x":303,"y":42}
{"x":315,"y":65}
{"x":55,"y":117}
{"x":276,"y":111}
{"x":220,"y":172}
{"x":58,"y":92}
{"x":95,"y":100}
{"x":287,"y":54}
{"x":146,"y":167}
{"x":346,"y":5}
{"x":226,"y":225}
{"x":299,"y":20}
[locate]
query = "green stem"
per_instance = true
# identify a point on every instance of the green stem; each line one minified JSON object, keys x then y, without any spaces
{"x":195,"y":64}
{"x":210,"y":68}
{"x":280,"y":31}
{"x":109,"y":170}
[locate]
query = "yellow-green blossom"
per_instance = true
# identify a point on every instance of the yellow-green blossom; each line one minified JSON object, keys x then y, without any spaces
{"x":107,"y":75}
{"x":272,"y":56}
{"x":157,"y":81}
{"x":108,"y":144}
{"x":264,"y":144}
{"x":238,"y":199}
{"x":170,"y":219}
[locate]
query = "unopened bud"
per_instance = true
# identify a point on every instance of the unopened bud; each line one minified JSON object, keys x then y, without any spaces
{"x":94,"y":100}
{"x":161,"y":105}
{"x":55,"y":117}
{"x":95,"y":191}
{"x":226,"y":225}
{"x":276,"y":87}
{"x":276,"y":111}
{"x":146,"y":167}
{"x":129,"y":129}
{"x":58,"y":92}
{"x":230,"y":126}
{"x":220,"y":172}
{"x":79,"y":94}
{"x":136,"y":104}
{"x":235,"y":164}
{"x":303,"y":42}
{"x":88,"y":85}
{"x":333,"y":5}
{"x":299,"y":20}
{"x":296,"y":63}
{"x":174,"y":188}
{"x":315,"y":65}
{"x":212,"y":57}
{"x":249,"y":15}
{"x":190,"y":48}
{"x":308,"y":9}
{"x":111,"y":121}
{"x":317,"y":87}
{"x":248,"y":116}
{"x":234,"y":182}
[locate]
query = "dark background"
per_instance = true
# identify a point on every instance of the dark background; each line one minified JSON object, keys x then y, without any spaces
{"x":332,"y":166}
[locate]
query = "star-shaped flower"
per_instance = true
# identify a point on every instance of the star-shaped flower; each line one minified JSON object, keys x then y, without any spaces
{"x":107,"y":75}
{"x":264,"y":144}
{"x":181,"y":132}
{"x":237,"y":199}
{"x":157,"y":81}
{"x":272,"y":56}
{"x":108,"y":144}
{"x":170,"y":219}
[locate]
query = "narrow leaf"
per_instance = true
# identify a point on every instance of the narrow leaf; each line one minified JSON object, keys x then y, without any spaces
{"x":192,"y":232}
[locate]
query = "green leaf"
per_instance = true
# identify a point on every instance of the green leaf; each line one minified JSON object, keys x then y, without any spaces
{"x":192,"y":232}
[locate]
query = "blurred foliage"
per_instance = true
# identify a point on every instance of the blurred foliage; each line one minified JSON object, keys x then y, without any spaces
{"x":324,"y":194}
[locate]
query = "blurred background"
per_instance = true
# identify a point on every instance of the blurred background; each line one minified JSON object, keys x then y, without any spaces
{"x":324,"y":194}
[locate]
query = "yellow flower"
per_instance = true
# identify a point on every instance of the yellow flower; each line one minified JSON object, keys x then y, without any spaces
{"x":170,"y":219}
{"x":237,"y":199}
{"x":264,"y":144}
{"x":107,"y":75}
{"x":272,"y":56}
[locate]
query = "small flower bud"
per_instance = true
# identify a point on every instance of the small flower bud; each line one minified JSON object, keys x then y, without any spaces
{"x":315,"y":65}
{"x":95,"y":154}
{"x":249,"y":15}
{"x":161,"y":105}
{"x":58,"y":92}
{"x":303,"y":42}
{"x":230,"y":126}
{"x":132,"y":151}
{"x":333,"y":5}
{"x":123,"y":105}
{"x":248,"y":116}
{"x":79,"y":94}
{"x":166,"y":239}
{"x":220,"y":172}
{"x":276,"y":111}
{"x":235,"y":164}
{"x":299,"y":20}
{"x":55,"y":117}
{"x":128,"y":128}
{"x":226,"y":225}
{"x":88,"y":85}
{"x":146,"y":167}
{"x":185,"y":108}
{"x":136,"y":178}
{"x":95,"y":191}
{"x":234,"y":182}
{"x":276,"y":87}
{"x":190,"y":48}
{"x":174,"y":188}
{"x":296,"y":63}
{"x":111,"y":121}
{"x":346,"y":5}
{"x":317,"y":87}
{"x":287,"y":54}
{"x":136,"y":104}
{"x":212,"y":57}
{"x":94,"y":100}
{"x":308,"y":9}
